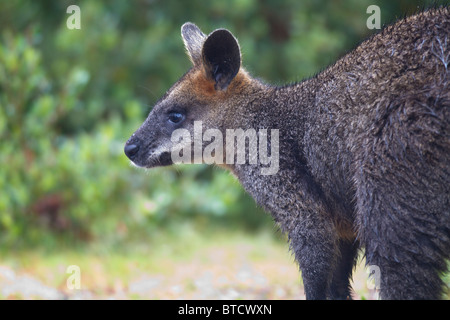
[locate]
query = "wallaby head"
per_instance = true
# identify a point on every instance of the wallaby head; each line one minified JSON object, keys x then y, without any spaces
{"x":203,"y":94}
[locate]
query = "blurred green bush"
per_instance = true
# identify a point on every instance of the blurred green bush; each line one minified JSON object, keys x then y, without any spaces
{"x":69,"y":99}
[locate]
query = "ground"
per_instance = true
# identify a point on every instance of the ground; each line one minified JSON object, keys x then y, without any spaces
{"x":224,"y":265}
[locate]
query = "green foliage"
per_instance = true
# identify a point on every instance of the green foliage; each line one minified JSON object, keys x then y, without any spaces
{"x":79,"y":185}
{"x":69,"y":99}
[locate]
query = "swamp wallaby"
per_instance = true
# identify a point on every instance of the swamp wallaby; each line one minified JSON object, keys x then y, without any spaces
{"x":362,"y":151}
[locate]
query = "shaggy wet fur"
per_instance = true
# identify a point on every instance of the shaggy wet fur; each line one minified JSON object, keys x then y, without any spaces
{"x":364,"y":151}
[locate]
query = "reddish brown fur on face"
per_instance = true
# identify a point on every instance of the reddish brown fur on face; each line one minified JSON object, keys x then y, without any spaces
{"x":202,"y":87}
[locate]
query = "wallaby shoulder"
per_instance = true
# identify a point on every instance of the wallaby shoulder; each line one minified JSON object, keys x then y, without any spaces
{"x":341,"y":112}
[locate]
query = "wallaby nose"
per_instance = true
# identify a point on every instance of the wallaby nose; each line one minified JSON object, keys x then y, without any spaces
{"x":131,"y":150}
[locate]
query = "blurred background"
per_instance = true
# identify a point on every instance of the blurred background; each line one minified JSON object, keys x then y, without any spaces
{"x":69,"y":100}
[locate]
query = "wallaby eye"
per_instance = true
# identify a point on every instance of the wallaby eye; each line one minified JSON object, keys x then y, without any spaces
{"x":176,"y":117}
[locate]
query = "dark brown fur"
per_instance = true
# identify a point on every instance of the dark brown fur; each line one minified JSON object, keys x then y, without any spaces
{"x":364,"y":151}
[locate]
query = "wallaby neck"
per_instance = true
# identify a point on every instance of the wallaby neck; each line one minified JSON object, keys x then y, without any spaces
{"x":255,"y":110}
{"x":258,"y":102}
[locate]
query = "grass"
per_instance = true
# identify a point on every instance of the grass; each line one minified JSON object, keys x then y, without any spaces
{"x":187,"y":265}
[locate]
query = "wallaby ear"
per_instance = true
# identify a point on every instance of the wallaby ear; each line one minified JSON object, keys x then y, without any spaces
{"x":221,"y":58}
{"x":193,"y":39}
